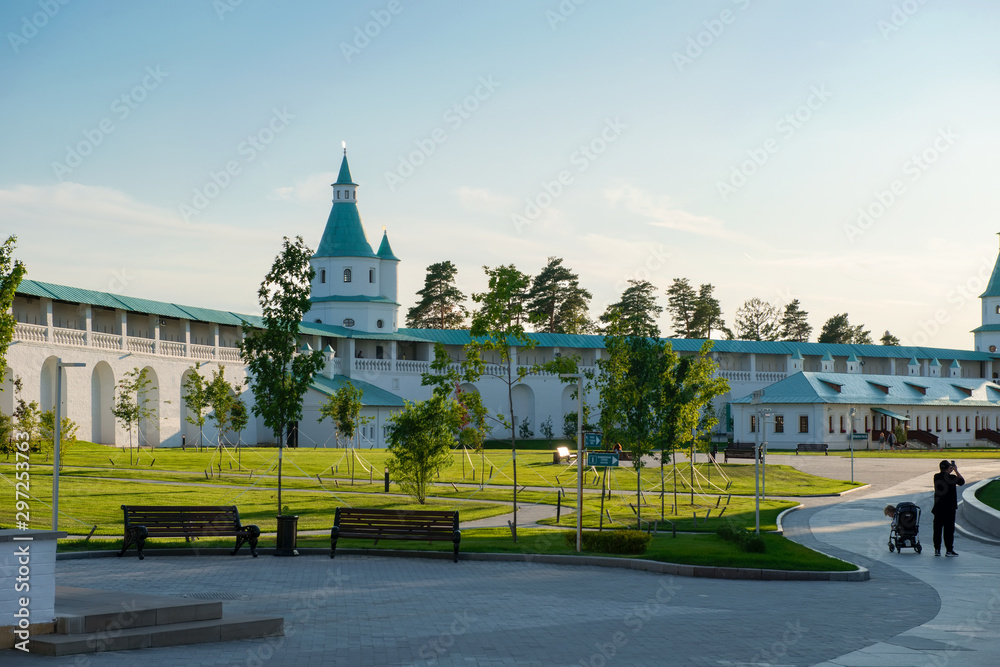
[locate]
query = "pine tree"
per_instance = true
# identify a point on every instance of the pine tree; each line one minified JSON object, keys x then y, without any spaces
{"x":708,"y":315}
{"x":838,"y":329}
{"x":888,"y":339}
{"x":440,"y":305}
{"x":556,"y":303}
{"x":636,"y":312}
{"x":682,"y":301}
{"x":794,"y":324}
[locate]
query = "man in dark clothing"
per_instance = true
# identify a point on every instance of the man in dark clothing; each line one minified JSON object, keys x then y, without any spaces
{"x":945,"y":505}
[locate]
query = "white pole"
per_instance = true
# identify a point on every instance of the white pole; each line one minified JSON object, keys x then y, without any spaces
{"x":55,"y":447}
{"x":579,"y":463}
{"x":756,"y":471}
{"x":55,"y":439}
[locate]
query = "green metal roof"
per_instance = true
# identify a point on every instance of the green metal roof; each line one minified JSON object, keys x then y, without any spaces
{"x":384,"y":249}
{"x":344,"y":177}
{"x":807,"y":387}
{"x":344,"y":235}
{"x":134,"y":304}
{"x":370,"y":394}
{"x":993,"y":287}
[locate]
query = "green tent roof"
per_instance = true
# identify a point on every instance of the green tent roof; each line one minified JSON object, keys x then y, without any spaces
{"x":344,"y":177}
{"x":385,"y":250}
{"x":370,"y":394}
{"x":993,"y":287}
{"x":344,"y":235}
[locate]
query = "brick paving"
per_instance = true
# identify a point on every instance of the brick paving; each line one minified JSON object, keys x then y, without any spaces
{"x":369,"y":610}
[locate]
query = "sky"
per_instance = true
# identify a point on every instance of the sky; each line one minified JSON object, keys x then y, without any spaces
{"x":838,"y":152}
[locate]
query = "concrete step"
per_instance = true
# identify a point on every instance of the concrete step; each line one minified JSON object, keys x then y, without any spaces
{"x":85,"y":610}
{"x":174,"y":634}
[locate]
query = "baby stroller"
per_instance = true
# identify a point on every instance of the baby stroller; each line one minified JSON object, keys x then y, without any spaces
{"x":905,"y":526}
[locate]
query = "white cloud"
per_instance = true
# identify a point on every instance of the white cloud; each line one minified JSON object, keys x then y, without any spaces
{"x":312,"y":189}
{"x":661,"y":212}
{"x":482,"y":200}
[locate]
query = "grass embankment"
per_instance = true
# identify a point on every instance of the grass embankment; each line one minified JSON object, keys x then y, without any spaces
{"x":989,"y":494}
{"x":782,"y":554}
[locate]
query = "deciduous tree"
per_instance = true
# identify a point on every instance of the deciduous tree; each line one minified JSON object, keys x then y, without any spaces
{"x":11,"y":273}
{"x":757,"y":320}
{"x":420,"y":438}
{"x":196,"y":400}
{"x":279,"y":377}
{"x":497,"y":327}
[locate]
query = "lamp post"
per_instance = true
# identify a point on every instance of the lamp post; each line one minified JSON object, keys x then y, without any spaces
{"x":854,"y":411}
{"x":55,"y":439}
{"x":758,"y":396}
{"x":579,"y":457}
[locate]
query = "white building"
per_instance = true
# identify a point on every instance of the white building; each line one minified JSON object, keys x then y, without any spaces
{"x":354,"y":319}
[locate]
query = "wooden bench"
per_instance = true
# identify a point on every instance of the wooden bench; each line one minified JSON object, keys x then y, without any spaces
{"x":811,"y":447}
{"x":379,"y":524}
{"x":563,"y":454}
{"x":740,"y":451}
{"x":188,"y":521}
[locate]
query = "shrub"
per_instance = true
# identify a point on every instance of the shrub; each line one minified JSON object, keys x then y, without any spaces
{"x":629,"y":542}
{"x":743,"y":538}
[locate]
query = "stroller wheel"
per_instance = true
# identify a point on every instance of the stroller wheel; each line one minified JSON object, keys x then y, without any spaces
{"x":917,"y":548}
{"x":892,"y":547}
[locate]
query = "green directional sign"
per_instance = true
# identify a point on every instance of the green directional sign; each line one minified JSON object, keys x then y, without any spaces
{"x":859,"y":436}
{"x":602,"y":459}
{"x":593,"y":440}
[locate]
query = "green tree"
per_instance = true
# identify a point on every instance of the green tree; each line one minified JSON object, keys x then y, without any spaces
{"x":636,"y":311}
{"x":497,"y":328}
{"x":240,"y":417}
{"x":11,"y":273}
{"x":221,"y":396}
{"x":343,"y":408}
{"x":556,"y":302}
{"x":441,"y":302}
{"x":545,"y":428}
{"x":757,"y":320}
{"x":279,"y":376}
{"x":446,"y":378}
{"x":131,"y":406}
{"x":888,"y":339}
{"x":838,"y":329}
{"x":708,"y":315}
{"x":196,"y":399}
{"x":67,"y":434}
{"x":420,"y":438}
{"x":682,"y":302}
{"x":651,"y":397}
{"x":795,"y":326}
{"x":27,"y":415}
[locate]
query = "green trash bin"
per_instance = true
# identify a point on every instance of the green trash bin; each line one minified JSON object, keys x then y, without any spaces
{"x":288,"y":530}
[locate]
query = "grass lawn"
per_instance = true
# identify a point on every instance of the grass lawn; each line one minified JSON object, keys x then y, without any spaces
{"x":534,"y":469}
{"x":937,"y":454}
{"x":782,"y":554}
{"x":989,"y":494}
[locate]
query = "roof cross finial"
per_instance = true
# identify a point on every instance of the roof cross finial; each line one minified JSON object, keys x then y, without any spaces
{"x":344,"y":145}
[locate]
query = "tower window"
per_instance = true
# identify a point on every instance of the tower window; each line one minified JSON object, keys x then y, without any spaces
{"x":379,"y":324}
{"x":347,"y":275}
{"x":322,"y":275}
{"x":348,"y":322}
{"x":371,"y":275}
{"x":338,"y":194}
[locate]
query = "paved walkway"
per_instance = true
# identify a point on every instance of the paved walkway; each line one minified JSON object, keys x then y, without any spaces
{"x":916,"y":610}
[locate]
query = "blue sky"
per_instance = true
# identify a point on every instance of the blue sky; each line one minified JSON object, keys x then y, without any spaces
{"x":731,"y":142}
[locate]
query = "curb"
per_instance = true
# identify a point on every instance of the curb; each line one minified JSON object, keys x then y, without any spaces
{"x":704,"y":571}
{"x":781,"y":517}
{"x":981,"y":516}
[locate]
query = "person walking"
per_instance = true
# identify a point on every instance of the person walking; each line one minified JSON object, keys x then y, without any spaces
{"x":881,"y":440}
{"x":946,"y":485}
{"x":892,"y":440}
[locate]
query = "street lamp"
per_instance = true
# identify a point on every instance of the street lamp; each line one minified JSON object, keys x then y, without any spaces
{"x":854,"y":411}
{"x":756,"y":399}
{"x":55,"y":439}
{"x":579,"y":457}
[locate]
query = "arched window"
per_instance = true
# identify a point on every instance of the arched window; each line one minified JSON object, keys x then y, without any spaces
{"x":347,"y":275}
{"x":371,"y":275}
{"x":322,"y":275}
